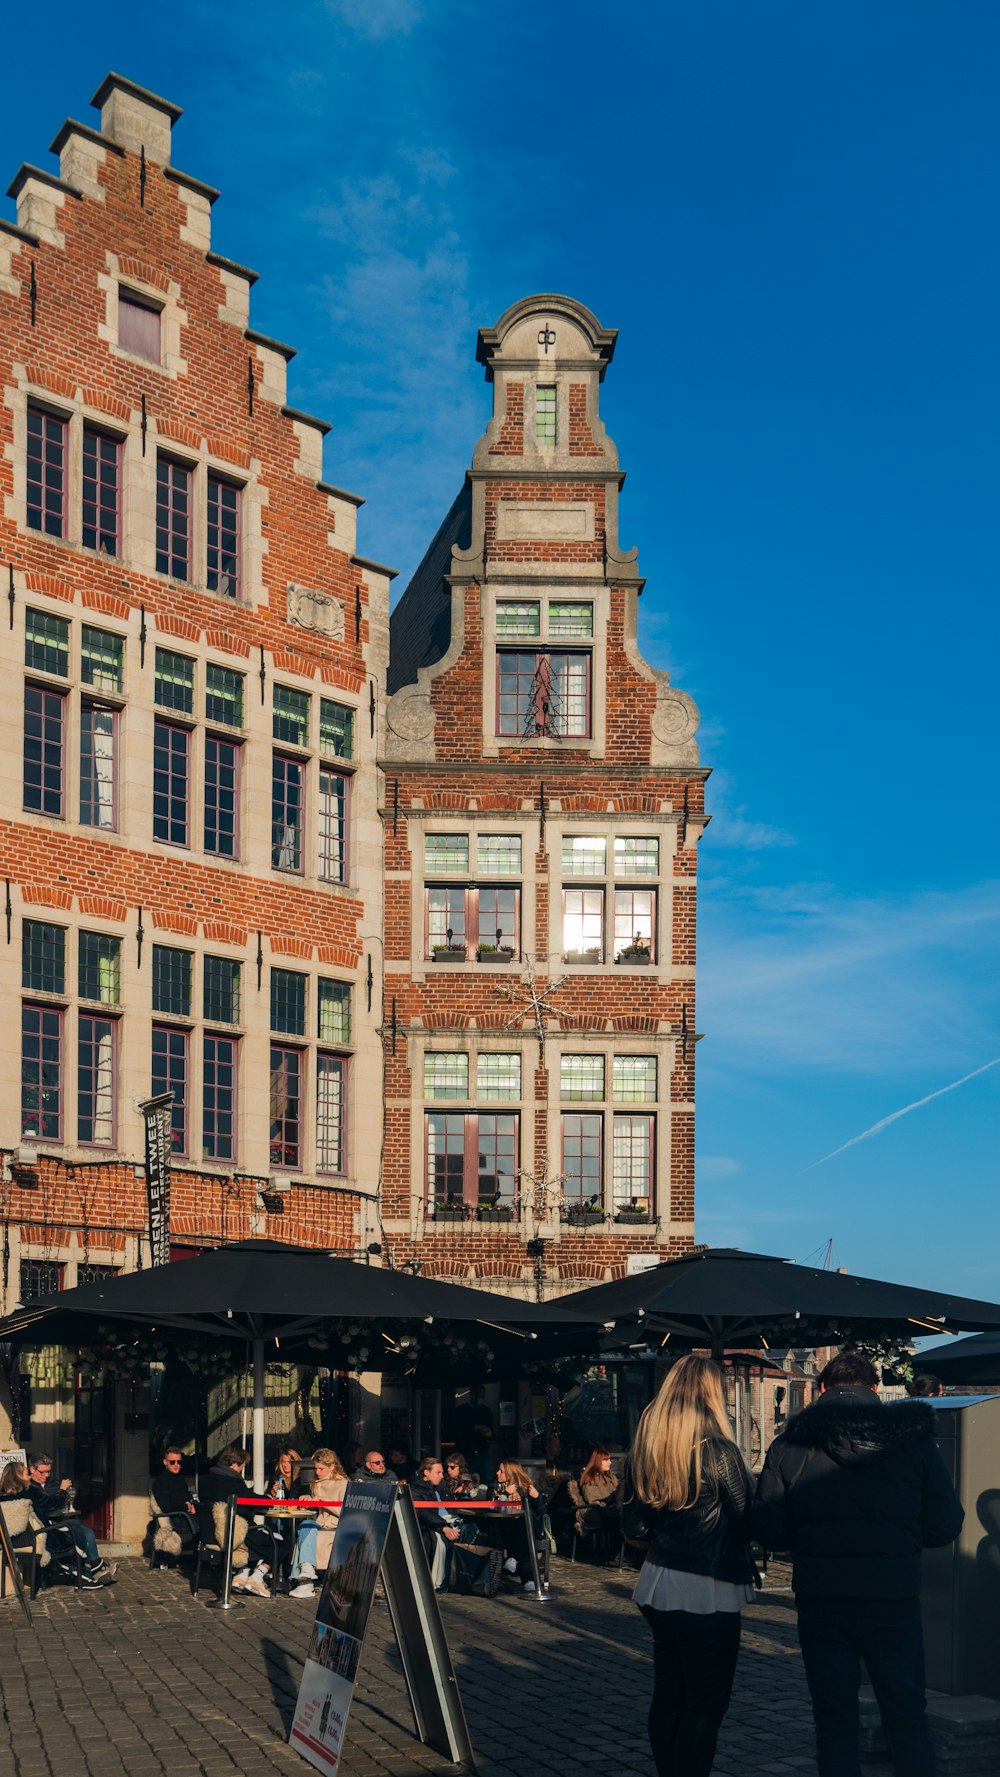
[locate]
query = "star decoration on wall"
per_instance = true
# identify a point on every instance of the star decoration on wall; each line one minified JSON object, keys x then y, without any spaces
{"x":532,"y":1001}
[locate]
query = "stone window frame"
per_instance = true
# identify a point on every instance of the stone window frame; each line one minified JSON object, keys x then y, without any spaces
{"x":610,"y":1110}
{"x":76,"y":417}
{"x":577,"y":589}
{"x":71,"y":1006}
{"x":318,"y":1054}
{"x":324,"y":836}
{"x":468,"y":1107}
{"x":611,"y":882}
{"x":75,"y":695}
{"x":469,"y":881}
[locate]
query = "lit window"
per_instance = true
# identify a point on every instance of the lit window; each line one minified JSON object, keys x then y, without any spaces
{"x":99,"y":961}
{"x":632,"y":1161}
{"x":139,"y":325}
{"x":41,"y":1073}
{"x":331,"y":1081}
{"x":43,"y":957}
{"x":287,"y":798}
{"x":635,"y":926}
{"x":498,"y":854}
{"x":584,"y":855}
{"x":170,"y":783}
{"x":581,"y":1076}
{"x":171,"y":981}
{"x":291,"y":716}
{"x":219,"y":1079}
{"x":223,"y":696}
{"x":98,"y":766}
{"x":173,"y":518}
{"x":223,"y":556}
{"x":446,"y":909}
{"x":634,"y":1078}
{"x":222,"y":990}
{"x":583,"y":925}
{"x":286,"y":1106}
{"x":446,"y":853}
{"x":288,"y":1002}
{"x":101,"y":510}
{"x":332,"y":850}
{"x":333,"y":1023}
{"x":446,"y":1076}
{"x":173,"y":681}
{"x":570,"y":620}
{"x":96,"y":1048}
{"x":44,"y":729}
{"x":46,"y":473}
{"x":170,"y":1074}
{"x":46,"y":643}
{"x":543,"y":694}
{"x":102,"y":659}
{"x":637,"y":857}
{"x":336,"y":729}
{"x":545,"y":413}
{"x":222,"y":797}
{"x":518,"y":619}
{"x":498,"y":1078}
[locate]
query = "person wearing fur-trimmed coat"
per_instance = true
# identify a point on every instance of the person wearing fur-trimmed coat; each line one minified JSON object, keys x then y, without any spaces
{"x":855,"y":1489}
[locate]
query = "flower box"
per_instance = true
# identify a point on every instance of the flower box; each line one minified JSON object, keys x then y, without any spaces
{"x":496,"y":1212}
{"x":494,"y":953}
{"x":584,"y":1218}
{"x":589,"y":957}
{"x":449,"y":1212}
{"x":637,"y":955}
{"x":448,"y":953}
{"x":634,"y":1217}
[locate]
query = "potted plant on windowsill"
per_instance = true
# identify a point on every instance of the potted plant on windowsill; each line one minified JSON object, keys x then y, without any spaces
{"x":585,"y":1214}
{"x":494,"y":953}
{"x":635,"y":1212}
{"x":636,"y":952}
{"x":491,"y":1209}
{"x":448,"y":1209}
{"x":448,"y":953}
{"x":582,"y":956}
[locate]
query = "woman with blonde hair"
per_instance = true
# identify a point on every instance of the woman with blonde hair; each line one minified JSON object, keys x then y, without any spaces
{"x":315,"y":1539}
{"x":692,"y":1507}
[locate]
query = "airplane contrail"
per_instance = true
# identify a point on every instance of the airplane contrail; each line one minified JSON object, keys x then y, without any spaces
{"x":877,"y":1128}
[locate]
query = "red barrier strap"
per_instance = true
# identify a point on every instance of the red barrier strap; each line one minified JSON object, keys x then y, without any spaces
{"x":306,"y":1504}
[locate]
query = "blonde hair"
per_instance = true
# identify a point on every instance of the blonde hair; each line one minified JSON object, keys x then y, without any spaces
{"x":673,"y":1441}
{"x":516,"y":1474}
{"x":330,"y":1459}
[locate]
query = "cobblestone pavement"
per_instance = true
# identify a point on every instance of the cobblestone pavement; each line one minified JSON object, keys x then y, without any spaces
{"x":140,"y":1679}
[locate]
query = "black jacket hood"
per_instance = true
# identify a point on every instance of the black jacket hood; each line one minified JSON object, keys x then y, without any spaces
{"x":854,"y":1428}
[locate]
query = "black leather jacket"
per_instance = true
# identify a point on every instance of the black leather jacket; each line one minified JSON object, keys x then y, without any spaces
{"x":711,"y":1536}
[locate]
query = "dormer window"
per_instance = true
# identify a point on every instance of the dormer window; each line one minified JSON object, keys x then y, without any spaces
{"x":545,"y":414}
{"x":139,"y":325}
{"x":545,"y":693}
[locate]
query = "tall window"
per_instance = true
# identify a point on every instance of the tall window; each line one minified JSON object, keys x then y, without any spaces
{"x":222,"y":797}
{"x":607,"y":1143}
{"x":483,"y":919}
{"x":633,"y":1163}
{"x":543,"y":693}
{"x":287,"y":806}
{"x":170,"y":1074}
{"x":582,"y":1144}
{"x":223,"y":558}
{"x":331,"y":1122}
{"x":635,"y":925}
{"x":286,"y":1106}
{"x":99,"y":967}
{"x":333,"y":796}
{"x":219,"y":1078}
{"x":46,"y":472}
{"x":170,"y":783}
{"x":545,"y":414}
{"x":173,"y":518}
{"x":98,"y":765}
{"x":96,"y":1043}
{"x":583,"y":925}
{"x":102,"y":457}
{"x":471,"y":1158}
{"x":138,"y":325}
{"x":44,"y":749}
{"x":41,"y":1073}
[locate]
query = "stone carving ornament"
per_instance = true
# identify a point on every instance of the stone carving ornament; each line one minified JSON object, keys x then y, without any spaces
{"x":316,"y":611}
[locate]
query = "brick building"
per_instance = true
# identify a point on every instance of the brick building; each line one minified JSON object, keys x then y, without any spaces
{"x":543,"y":803}
{"x":258,"y":854}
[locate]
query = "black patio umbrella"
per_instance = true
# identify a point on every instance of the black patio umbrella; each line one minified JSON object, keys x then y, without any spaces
{"x":960,"y":1362}
{"x":298,"y":1304}
{"x":721,"y":1297}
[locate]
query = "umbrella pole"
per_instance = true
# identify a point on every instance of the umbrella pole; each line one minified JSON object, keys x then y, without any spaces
{"x":258,"y":1417}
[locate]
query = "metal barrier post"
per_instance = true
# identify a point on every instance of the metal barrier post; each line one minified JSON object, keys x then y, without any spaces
{"x":541,"y":1592}
{"x":226,"y":1601}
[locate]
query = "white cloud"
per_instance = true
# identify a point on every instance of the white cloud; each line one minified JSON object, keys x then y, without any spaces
{"x":732,"y":827}
{"x":376,"y":19}
{"x":717,"y":1166}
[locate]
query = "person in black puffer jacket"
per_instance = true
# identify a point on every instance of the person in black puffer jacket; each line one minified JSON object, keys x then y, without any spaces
{"x":687,"y":1497}
{"x":855,"y":1489}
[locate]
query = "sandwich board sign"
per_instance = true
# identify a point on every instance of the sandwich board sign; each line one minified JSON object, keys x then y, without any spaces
{"x":377,"y":1534}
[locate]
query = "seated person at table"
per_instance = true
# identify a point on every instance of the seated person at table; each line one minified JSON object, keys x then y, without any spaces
{"x":285,"y":1481}
{"x":15,"y":1507}
{"x":315,"y":1538}
{"x":50,"y":1505}
{"x":225,"y":1478}
{"x":173,"y":1506}
{"x":438,"y":1530}
{"x":512,"y":1480}
{"x":596,"y":1496}
{"x":458,"y":1483}
{"x":399,"y":1462}
{"x":374,"y":1468}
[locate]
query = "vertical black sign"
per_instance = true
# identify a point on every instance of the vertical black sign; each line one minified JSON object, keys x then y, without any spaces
{"x":157,"y":1115}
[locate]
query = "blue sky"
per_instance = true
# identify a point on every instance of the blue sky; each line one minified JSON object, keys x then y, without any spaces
{"x":790,"y":214}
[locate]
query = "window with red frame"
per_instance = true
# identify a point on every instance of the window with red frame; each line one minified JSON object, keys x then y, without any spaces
{"x":583,"y":1157}
{"x":173,"y":518}
{"x":170,"y":1074}
{"x":41,"y":1073}
{"x":331,"y":1118}
{"x":97,"y":1043}
{"x":44,"y":750}
{"x":472,"y":1158}
{"x":460,"y":921}
{"x":223,"y":557}
{"x":219,"y":1079}
{"x":545,"y":692}
{"x":222,"y":797}
{"x":635,"y":925}
{"x":46,"y":472}
{"x":102,"y":460}
{"x":139,"y":325}
{"x":286,"y":1107}
{"x":632,"y":1161}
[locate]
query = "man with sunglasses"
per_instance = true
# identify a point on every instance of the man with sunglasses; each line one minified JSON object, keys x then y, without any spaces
{"x":172,"y":1498}
{"x":373,"y":1468}
{"x":50,"y":1503}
